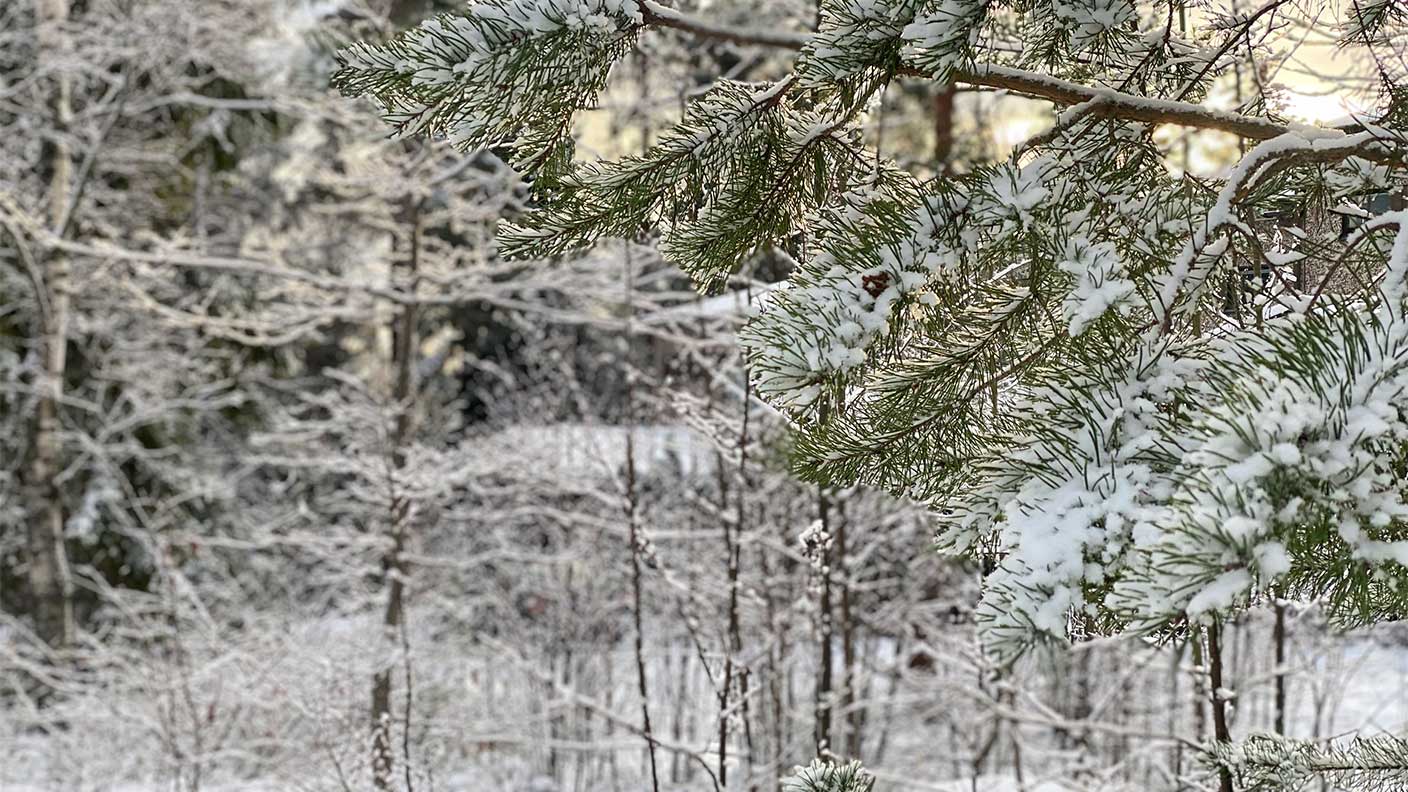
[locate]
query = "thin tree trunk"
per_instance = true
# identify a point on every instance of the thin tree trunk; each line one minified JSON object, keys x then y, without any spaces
{"x":943,"y":126}
{"x":774,"y":676}
{"x":850,"y":716}
{"x":1014,"y":734}
{"x":636,"y":605}
{"x":1200,"y":697}
{"x":823,"y":681}
{"x":677,"y":730}
{"x":1085,"y":661}
{"x":1176,"y":760}
{"x":1278,"y":637}
{"x":727,"y":682}
{"x":734,"y":567}
{"x":50,"y":582}
{"x":632,"y":521}
{"x":393,"y":563}
{"x":734,"y":645}
{"x":1221,"y":733}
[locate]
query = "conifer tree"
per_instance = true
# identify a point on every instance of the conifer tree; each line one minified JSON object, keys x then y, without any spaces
{"x":1148,"y":401}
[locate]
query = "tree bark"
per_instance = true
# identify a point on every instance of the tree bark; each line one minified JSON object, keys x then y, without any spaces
{"x":1103,"y":102}
{"x":850,"y":714}
{"x":1221,"y":733}
{"x":50,"y":581}
{"x":393,"y":563}
{"x":1278,"y":636}
{"x":824,"y":673}
{"x":638,"y":603}
{"x":734,"y":569}
{"x":944,"y":94}
{"x":633,"y":526}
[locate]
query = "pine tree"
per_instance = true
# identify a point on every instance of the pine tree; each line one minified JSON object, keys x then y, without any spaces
{"x":1148,"y":401}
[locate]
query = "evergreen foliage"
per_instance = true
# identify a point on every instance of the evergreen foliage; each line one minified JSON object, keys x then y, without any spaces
{"x":823,"y":776}
{"x":507,"y":73}
{"x":1143,"y":398}
{"x":1268,"y":762}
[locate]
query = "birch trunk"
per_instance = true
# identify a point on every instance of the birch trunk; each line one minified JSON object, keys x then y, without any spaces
{"x":50,"y":583}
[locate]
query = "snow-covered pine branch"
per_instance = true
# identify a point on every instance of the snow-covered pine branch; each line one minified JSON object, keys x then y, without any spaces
{"x":823,"y":776}
{"x":745,"y":166}
{"x":1024,"y":346}
{"x":1272,"y":763}
{"x":1146,"y":401}
{"x":505,"y":73}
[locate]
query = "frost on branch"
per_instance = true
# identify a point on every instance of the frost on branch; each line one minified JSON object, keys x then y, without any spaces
{"x":823,"y":776}
{"x":741,"y":170}
{"x":1272,"y":763}
{"x":1291,"y":475}
{"x":1065,"y":500}
{"x":858,"y":42}
{"x":830,"y":315}
{"x":1099,"y":287}
{"x":940,"y":38}
{"x":1063,"y":353}
{"x":989,"y":264}
{"x":450,"y":76}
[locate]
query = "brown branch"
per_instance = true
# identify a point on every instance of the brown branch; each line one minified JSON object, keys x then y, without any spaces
{"x":1107,"y":102}
{"x":652,"y":13}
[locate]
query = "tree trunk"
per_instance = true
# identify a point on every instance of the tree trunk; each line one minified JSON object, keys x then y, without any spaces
{"x":850,"y":714}
{"x":50,"y":583}
{"x":1221,"y":733}
{"x":734,"y":547}
{"x":1176,"y":756}
{"x":633,"y":527}
{"x":943,"y":126}
{"x":823,"y":680}
{"x":677,"y":762}
{"x":393,"y":564}
{"x":1278,"y":636}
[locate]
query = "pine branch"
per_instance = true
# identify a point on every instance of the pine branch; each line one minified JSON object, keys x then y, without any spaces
{"x":1128,"y":392}
{"x":1105,"y":102}
{"x":658,"y":15}
{"x":503,"y":73}
{"x":1271,"y":763}
{"x":824,"y":776}
{"x":740,"y":171}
